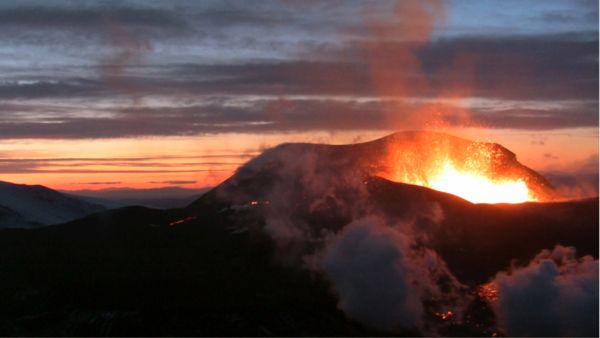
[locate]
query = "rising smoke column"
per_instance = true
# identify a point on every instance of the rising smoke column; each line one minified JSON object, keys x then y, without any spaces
{"x":397,"y":72}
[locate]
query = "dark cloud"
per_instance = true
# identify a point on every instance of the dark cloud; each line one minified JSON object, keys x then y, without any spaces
{"x":67,"y":88}
{"x":238,"y":16}
{"x":528,"y":67}
{"x":523,"y":67}
{"x":103,"y":183}
{"x":87,"y":17}
{"x":179,"y":17}
{"x":276,"y":115}
{"x":116,"y":165}
{"x":89,"y":24}
{"x":531,"y":67}
{"x":140,"y":164}
{"x":132,"y":171}
{"x":539,"y":119}
{"x":128,"y":159}
{"x":174,"y":182}
{"x":130,"y":66}
{"x":584,"y":11}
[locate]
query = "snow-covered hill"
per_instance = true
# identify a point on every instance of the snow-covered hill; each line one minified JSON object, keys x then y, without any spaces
{"x":30,"y":206}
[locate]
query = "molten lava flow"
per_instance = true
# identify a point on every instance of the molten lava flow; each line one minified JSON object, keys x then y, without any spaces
{"x":479,"y":172}
{"x":445,"y":315}
{"x":476,"y":184}
{"x":181,"y":221}
{"x":478,"y":188}
{"x":488,"y":292}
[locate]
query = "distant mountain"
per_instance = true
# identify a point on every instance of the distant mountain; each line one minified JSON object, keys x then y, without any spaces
{"x":304,"y":240}
{"x":31,"y":206}
{"x":161,"y":198}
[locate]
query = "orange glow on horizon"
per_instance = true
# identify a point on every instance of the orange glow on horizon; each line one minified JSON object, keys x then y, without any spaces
{"x":141,"y":163}
{"x":207,"y":160}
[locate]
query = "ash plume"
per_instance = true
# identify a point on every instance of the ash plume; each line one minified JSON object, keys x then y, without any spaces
{"x":127,"y":49}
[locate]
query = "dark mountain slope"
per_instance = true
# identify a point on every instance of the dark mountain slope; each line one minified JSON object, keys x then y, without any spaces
{"x":240,"y":260}
{"x":138,"y":271}
{"x":477,"y":240}
{"x":129,"y":272}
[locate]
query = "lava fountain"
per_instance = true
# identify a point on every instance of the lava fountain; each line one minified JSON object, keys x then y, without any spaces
{"x":478,"y":188}
{"x":479,"y":172}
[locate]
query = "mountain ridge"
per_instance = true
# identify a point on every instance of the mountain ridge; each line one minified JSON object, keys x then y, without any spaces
{"x":30,"y":206}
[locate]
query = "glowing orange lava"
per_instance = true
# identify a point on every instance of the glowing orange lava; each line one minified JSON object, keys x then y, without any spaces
{"x":479,"y":172}
{"x":476,"y":187}
{"x":445,"y":315}
{"x":488,"y":292}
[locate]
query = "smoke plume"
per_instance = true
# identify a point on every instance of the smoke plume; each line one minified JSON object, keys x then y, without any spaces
{"x":397,"y":70}
{"x":127,"y":49}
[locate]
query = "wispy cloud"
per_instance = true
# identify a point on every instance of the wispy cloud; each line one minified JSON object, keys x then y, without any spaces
{"x":141,"y":53}
{"x":174,"y":182}
{"x":280,"y":114}
{"x":164,"y":164}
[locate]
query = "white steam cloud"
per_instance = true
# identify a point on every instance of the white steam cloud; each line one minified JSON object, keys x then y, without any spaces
{"x":373,"y":277}
{"x":382,"y":279}
{"x":556,"y":294}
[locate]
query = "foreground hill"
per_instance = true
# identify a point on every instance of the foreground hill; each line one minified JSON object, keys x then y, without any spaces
{"x":31,"y":206}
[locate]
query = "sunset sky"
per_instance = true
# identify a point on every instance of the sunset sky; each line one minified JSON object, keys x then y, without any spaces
{"x":108,"y":94}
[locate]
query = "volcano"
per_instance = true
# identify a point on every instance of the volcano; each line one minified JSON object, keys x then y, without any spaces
{"x":309,"y":239}
{"x":415,"y":157}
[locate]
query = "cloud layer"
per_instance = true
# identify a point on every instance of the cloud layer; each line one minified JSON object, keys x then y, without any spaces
{"x":99,"y":70}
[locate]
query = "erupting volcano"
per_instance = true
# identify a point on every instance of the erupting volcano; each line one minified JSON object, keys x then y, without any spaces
{"x":408,"y":234}
{"x":479,"y":172}
{"x":299,"y":168}
{"x":476,"y":171}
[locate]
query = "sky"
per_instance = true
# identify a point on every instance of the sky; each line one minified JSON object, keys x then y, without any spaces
{"x":105,"y":94}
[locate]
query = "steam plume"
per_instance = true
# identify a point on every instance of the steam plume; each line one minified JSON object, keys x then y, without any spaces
{"x":555,"y":294}
{"x":384,"y":279}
